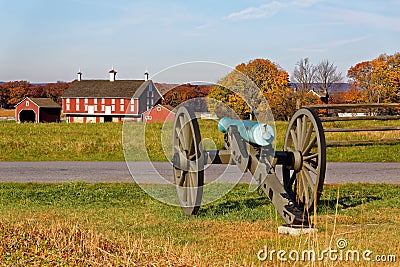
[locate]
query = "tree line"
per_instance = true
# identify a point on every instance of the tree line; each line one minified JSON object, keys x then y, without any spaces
{"x":375,"y":81}
{"x":241,"y":91}
{"x":11,"y":93}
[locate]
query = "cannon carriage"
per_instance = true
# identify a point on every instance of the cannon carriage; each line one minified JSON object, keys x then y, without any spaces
{"x":248,"y":145}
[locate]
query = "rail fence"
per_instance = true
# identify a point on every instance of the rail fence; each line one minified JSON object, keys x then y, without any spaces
{"x":359,"y":112}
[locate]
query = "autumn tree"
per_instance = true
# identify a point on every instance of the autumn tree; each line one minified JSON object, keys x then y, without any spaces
{"x":55,"y":90}
{"x":378,"y":79}
{"x":244,"y":89}
{"x":177,"y":95}
{"x":337,"y":98}
{"x":4,"y":96}
{"x":15,"y":91}
{"x":385,"y":78}
{"x":354,"y":96}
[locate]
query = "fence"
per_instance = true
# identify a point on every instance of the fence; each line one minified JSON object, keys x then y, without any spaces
{"x":374,"y":111}
{"x":7,"y":118}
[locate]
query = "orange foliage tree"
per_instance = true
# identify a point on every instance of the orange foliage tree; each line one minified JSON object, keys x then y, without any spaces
{"x":249,"y":83}
{"x":13,"y":92}
{"x":182,"y":93}
{"x":354,"y":96}
{"x":55,"y":90}
{"x":378,"y":80}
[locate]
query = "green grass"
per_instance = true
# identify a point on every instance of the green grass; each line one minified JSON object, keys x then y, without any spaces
{"x":108,"y":141}
{"x":118,"y":224}
{"x":60,"y":141}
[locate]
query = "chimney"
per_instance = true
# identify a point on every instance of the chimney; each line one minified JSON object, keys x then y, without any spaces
{"x":146,"y":75}
{"x":113,"y":74}
{"x":79,"y":75}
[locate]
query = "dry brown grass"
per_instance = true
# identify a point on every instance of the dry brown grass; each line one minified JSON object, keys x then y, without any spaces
{"x":119,"y":225}
{"x":59,"y":243}
{"x":7,"y":112}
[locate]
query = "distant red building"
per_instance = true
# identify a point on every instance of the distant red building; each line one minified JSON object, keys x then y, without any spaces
{"x":37,"y":110}
{"x":159,"y":113}
{"x":110,"y":100}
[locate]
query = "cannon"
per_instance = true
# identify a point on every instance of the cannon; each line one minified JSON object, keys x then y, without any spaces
{"x":248,"y":145}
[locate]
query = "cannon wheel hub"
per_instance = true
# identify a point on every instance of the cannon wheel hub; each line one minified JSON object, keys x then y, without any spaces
{"x":297,"y":161}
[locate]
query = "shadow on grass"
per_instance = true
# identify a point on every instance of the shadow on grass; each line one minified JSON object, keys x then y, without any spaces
{"x":251,"y":205}
{"x":345,"y":202}
{"x":233,"y":206}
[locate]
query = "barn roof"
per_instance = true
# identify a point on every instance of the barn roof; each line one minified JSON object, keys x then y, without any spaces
{"x":43,"y":102}
{"x":106,"y":89}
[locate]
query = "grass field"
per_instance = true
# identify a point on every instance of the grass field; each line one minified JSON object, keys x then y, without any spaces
{"x":79,"y":224}
{"x":103,"y":142}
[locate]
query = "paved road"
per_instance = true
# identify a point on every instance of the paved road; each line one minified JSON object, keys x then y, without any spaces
{"x":161,"y":172}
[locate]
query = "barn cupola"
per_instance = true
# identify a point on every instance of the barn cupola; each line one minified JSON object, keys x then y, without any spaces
{"x":79,"y":75}
{"x":146,"y":75}
{"x":113,"y":75}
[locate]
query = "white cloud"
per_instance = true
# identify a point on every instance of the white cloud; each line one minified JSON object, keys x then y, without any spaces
{"x":366,"y":19}
{"x":270,"y":9}
{"x":346,"y":41}
{"x":266,"y":10}
{"x":203,"y":26}
{"x":308,"y":50}
{"x":305,"y":3}
{"x":325,"y":47}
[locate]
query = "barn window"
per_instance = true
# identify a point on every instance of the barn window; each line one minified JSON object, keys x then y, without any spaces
{"x":132,"y":101}
{"x":27,"y":103}
{"x":86,"y":101}
{"x":67,"y":107}
{"x":67,"y":100}
{"x":122,"y":107}
{"x":103,"y":101}
{"x":77,"y":104}
{"x":113,"y":107}
{"x":95,"y":101}
{"x":132,"y":108}
{"x":95,"y":108}
{"x":158,"y":108}
{"x":103,"y":107}
{"x":121,"y":101}
{"x":113,"y":101}
{"x":86,"y":107}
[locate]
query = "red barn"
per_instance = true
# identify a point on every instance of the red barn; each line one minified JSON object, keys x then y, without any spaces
{"x":37,"y":110}
{"x":159,"y":113}
{"x":109,"y":100}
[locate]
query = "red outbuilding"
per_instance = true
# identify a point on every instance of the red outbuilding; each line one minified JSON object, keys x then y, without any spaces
{"x":159,"y":113}
{"x":37,"y":110}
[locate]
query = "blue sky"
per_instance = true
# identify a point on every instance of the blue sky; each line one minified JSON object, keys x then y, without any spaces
{"x":49,"y":40}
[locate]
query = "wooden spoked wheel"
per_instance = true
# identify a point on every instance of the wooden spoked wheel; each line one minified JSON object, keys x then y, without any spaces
{"x":188,"y":164}
{"x":304,"y":178}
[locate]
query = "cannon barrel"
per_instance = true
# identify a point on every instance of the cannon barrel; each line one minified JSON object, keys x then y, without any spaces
{"x":253,"y":132}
